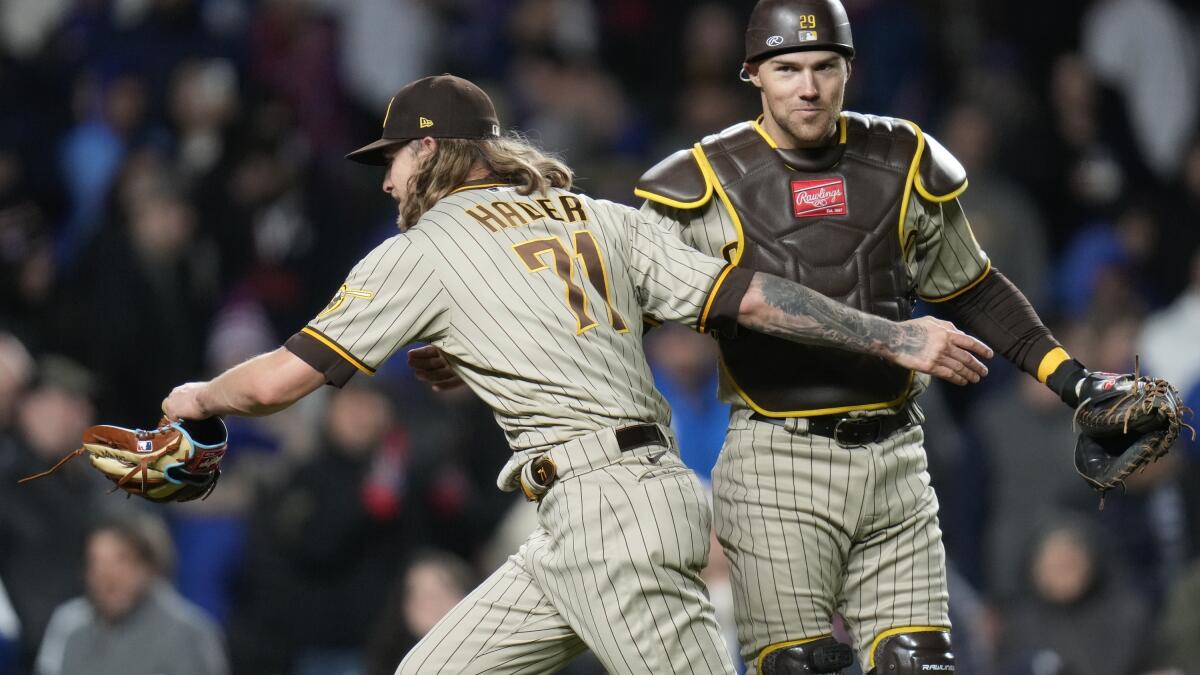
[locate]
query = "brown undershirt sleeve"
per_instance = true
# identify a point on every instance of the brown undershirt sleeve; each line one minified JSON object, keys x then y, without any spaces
{"x":337,"y":369}
{"x":725,"y":301}
{"x":997,"y":312}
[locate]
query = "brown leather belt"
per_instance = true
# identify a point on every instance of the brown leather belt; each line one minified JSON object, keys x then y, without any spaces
{"x":639,"y":435}
{"x":851,"y":432}
{"x":539,"y":474}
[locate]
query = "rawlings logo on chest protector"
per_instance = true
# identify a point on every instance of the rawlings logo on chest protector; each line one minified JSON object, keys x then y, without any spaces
{"x":820,"y":197}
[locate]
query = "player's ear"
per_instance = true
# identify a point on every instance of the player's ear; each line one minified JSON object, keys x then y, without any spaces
{"x":426,"y":147}
{"x":750,"y":74}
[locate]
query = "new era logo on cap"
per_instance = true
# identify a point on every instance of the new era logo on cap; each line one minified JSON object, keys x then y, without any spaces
{"x":424,"y":122}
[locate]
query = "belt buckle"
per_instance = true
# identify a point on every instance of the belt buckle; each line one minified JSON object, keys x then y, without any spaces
{"x":660,"y":439}
{"x":853,"y":423}
{"x":642,"y":431}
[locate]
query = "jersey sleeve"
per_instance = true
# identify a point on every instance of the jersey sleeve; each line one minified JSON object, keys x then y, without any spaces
{"x":708,"y":228}
{"x":672,"y":221}
{"x":677,"y":283}
{"x":393,"y":297}
{"x":947,"y":257}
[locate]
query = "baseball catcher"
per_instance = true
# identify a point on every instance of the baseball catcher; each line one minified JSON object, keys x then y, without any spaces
{"x":1125,"y":421}
{"x":175,"y":462}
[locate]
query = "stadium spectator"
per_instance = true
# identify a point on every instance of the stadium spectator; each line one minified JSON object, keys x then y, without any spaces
{"x":130,"y":613}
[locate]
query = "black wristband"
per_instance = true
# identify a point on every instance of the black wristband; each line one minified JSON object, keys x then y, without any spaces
{"x":1065,"y":379}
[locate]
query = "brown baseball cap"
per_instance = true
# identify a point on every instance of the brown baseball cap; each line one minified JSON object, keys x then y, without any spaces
{"x":439,"y":106}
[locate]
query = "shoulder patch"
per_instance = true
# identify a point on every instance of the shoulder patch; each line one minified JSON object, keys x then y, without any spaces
{"x":940,"y":177}
{"x":676,"y":181}
{"x":343,"y":294}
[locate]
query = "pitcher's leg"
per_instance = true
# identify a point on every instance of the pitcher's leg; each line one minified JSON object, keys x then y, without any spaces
{"x":506,"y":625}
{"x":631,"y":542}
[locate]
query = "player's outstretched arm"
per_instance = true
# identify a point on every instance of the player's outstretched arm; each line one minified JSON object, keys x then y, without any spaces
{"x":785,"y":309}
{"x":263,"y":385}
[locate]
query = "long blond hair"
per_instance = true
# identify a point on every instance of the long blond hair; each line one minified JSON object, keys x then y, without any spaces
{"x":511,"y":159}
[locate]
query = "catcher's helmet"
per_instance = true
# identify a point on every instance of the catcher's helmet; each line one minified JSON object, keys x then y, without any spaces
{"x":778,"y":26}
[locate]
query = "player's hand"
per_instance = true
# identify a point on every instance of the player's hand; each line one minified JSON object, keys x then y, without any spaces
{"x":936,"y":347}
{"x":184,"y":402}
{"x":432,"y":368}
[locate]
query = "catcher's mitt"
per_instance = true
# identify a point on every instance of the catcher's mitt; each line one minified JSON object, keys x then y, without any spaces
{"x":1125,"y":422}
{"x":176,"y":462}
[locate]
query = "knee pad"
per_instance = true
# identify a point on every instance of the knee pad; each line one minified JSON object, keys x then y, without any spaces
{"x":823,"y":655}
{"x":913,"y":653}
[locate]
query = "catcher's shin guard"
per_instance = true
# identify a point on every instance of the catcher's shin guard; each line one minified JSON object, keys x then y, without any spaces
{"x":801,"y":657}
{"x":912,"y":651}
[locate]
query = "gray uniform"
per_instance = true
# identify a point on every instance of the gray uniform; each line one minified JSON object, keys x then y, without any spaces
{"x":537,"y":302}
{"x":810,"y":527}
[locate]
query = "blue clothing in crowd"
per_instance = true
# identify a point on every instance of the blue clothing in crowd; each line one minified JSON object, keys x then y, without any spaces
{"x":698,"y":419}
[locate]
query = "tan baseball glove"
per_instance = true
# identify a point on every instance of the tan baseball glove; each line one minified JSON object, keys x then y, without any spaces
{"x":174,"y":462}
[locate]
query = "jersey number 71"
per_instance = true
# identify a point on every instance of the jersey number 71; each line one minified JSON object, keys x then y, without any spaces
{"x":531,"y":253}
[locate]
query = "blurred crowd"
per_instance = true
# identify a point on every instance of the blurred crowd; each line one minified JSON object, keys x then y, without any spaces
{"x":173,"y":200}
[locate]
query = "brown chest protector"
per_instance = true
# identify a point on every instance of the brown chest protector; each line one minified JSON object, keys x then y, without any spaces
{"x":828,"y":219}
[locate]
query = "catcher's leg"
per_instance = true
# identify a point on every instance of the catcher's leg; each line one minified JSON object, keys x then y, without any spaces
{"x":506,"y":625}
{"x":896,"y":573}
{"x":912,"y":653}
{"x":819,"y":655}
{"x":783,"y":504}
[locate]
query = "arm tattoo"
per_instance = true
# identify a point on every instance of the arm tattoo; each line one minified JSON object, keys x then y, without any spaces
{"x":794,"y":312}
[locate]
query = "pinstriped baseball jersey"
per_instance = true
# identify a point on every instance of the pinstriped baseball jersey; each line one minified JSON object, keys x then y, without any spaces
{"x":536,"y":301}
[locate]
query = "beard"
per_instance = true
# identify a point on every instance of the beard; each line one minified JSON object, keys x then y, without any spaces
{"x":399,"y":212}
{"x":812,"y":132}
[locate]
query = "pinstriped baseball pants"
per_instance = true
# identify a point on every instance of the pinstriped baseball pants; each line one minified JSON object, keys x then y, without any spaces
{"x":613,"y":566}
{"x":810,"y":528}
